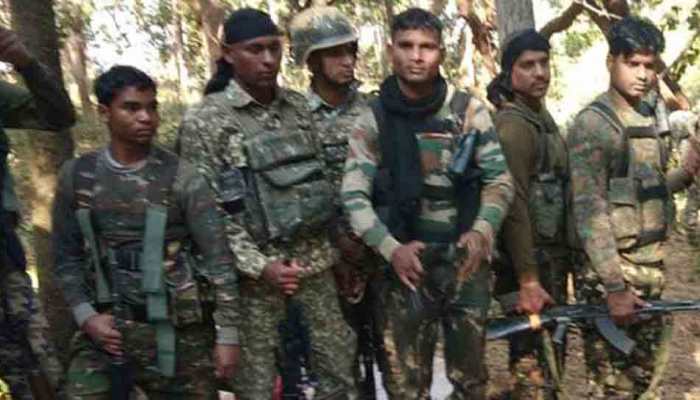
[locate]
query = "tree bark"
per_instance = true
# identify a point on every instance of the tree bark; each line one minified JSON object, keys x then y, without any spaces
{"x":179,"y":50}
{"x":211,"y":16}
{"x":514,"y":16}
{"x":35,"y":22}
{"x":562,"y":22}
{"x":481,"y":34}
{"x":75,"y":52}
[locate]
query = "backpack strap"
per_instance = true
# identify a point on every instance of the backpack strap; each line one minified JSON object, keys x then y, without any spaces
{"x":152,"y":261}
{"x":83,"y":196}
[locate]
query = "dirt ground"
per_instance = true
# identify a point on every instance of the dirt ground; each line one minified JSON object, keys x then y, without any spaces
{"x":682,"y":380}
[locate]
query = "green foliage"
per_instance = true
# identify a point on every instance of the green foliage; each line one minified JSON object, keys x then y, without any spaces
{"x":576,"y":42}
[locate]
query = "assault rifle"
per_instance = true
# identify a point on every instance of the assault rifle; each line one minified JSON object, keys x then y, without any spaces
{"x":121,"y":373}
{"x":298,"y":382}
{"x":563,"y":316}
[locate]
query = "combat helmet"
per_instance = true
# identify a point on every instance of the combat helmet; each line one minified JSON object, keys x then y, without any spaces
{"x":319,"y":28}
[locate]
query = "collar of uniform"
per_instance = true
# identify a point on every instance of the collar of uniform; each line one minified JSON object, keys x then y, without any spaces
{"x":629,"y":116}
{"x":316,"y":102}
{"x":239,"y":98}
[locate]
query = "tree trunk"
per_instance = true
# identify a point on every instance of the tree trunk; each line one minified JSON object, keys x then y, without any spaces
{"x":75,"y":51}
{"x":179,"y":50}
{"x":514,"y":16}
{"x":211,"y":15}
{"x":34,"y":21}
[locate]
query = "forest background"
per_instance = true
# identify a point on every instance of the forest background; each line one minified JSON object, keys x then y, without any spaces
{"x":176,"y":41}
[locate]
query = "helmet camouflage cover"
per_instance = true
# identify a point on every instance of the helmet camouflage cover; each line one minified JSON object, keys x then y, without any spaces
{"x":319,"y":28}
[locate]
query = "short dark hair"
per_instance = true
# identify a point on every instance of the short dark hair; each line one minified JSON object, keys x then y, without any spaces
{"x":416,"y":18}
{"x":635,"y":35}
{"x":120,"y":77}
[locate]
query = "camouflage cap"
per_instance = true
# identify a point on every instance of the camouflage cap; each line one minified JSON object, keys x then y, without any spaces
{"x":319,"y":28}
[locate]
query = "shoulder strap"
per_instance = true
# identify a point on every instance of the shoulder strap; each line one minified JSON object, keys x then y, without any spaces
{"x":611,"y":116}
{"x":83,"y":183}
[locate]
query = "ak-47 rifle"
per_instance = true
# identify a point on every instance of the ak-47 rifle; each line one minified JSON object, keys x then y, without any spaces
{"x":563,"y":316}
{"x":121,"y":373}
{"x":298,"y":381}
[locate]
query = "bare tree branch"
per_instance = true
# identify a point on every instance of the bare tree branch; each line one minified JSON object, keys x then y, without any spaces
{"x":564,"y":21}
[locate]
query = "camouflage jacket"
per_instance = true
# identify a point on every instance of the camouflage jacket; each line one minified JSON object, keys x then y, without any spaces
{"x":335,"y":124}
{"x":193,"y":221}
{"x":596,"y":149}
{"x":364,"y":158}
{"x":212,"y":136}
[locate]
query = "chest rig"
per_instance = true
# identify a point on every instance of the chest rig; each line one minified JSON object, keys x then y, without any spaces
{"x":547,"y":192}
{"x":640,"y":206}
{"x":149,"y":279}
{"x":287,"y":191}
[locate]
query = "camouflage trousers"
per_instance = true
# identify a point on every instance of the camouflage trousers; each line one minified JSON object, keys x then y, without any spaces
{"x":531,"y":373}
{"x":690,"y":212}
{"x":25,"y":349}
{"x":410,"y":324}
{"x":89,"y":372}
{"x":611,"y":374}
{"x":332,"y":340}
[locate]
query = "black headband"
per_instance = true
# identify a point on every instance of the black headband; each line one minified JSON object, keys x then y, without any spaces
{"x":520,"y":42}
{"x":248,"y":23}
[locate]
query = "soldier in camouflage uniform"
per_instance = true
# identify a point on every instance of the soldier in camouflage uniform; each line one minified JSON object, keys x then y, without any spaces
{"x":533,"y":241}
{"x":426,"y":185}
{"x":24,"y":345}
{"x":683,"y":126}
{"x":325,"y":40}
{"x":257,"y":146}
{"x":622,"y":206}
{"x":129,"y":220}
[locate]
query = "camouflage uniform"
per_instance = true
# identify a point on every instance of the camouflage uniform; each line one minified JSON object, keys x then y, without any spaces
{"x":412,"y":319}
{"x":214,"y":135}
{"x":683,"y":124}
{"x":45,"y":106}
{"x":534,"y":239}
{"x":119,"y":199}
{"x":622,"y":207}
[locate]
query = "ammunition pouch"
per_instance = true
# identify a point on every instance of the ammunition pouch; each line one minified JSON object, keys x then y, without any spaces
{"x":289,"y":184}
{"x":547,"y":208}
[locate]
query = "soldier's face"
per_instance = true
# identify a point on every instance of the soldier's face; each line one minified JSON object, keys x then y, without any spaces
{"x":335,"y":64}
{"x":132,"y":117}
{"x":416,"y":55}
{"x":633,"y":75}
{"x":530,"y":74}
{"x":256,"y":62}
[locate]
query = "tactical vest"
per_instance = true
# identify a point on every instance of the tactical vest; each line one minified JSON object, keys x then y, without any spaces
{"x":461,"y":193}
{"x":288,"y":191}
{"x":548,"y":184}
{"x":640,"y":206}
{"x":155,"y":277}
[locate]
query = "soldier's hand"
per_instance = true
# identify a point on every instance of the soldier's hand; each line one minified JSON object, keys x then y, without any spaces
{"x":226,"y":358}
{"x":406,"y":262}
{"x":100,"y":328}
{"x":478,"y":247}
{"x":622,"y":306}
{"x":12,"y":50}
{"x":532,"y":297}
{"x":284,"y":275}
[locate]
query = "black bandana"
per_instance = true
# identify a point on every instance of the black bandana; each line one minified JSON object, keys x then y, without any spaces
{"x":248,"y":23}
{"x":500,"y":89}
